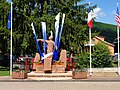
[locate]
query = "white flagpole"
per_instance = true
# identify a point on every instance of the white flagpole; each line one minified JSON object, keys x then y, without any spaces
{"x":90,"y":48}
{"x":118,"y":44}
{"x":118,"y":51}
{"x":11,"y":43}
{"x":90,"y":52}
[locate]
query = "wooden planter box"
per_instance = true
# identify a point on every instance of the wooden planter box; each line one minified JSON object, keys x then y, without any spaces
{"x":19,"y":75}
{"x":79,"y":75}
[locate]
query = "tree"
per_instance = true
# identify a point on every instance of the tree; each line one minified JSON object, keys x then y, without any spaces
{"x":101,"y":56}
{"x":82,"y":60}
{"x":23,"y":40}
{"x":75,"y":30}
{"x":107,"y":30}
{"x":25,"y":12}
{"x":4,"y":32}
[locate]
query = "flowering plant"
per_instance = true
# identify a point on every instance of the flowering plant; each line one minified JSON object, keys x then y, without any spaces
{"x":18,"y":69}
{"x":39,"y":62}
{"x":59,"y":62}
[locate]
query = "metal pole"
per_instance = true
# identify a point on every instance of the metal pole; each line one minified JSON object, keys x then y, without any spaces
{"x":90,"y":52}
{"x":118,"y":52}
{"x":118,"y":43}
{"x":90,"y":48}
{"x":11,"y":43}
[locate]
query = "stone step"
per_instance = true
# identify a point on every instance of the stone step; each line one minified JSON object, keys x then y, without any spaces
{"x":49,"y":78}
{"x":39,"y":74}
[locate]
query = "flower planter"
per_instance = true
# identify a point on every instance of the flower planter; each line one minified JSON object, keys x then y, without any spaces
{"x":79,"y":75}
{"x":19,"y":75}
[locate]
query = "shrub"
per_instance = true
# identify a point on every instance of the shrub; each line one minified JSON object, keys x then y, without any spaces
{"x":101,"y":56}
{"x":82,"y":61}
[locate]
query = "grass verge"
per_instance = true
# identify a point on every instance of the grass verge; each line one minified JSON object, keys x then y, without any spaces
{"x":4,"y":71}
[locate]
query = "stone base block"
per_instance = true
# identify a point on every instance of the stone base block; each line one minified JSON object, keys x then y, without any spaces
{"x":58,"y":69}
{"x":47,"y":64}
{"x":39,"y":68}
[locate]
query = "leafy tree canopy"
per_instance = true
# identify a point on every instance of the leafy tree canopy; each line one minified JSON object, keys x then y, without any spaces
{"x":75,"y":30}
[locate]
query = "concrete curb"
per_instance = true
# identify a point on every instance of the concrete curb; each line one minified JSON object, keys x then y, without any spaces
{"x":72,"y":80}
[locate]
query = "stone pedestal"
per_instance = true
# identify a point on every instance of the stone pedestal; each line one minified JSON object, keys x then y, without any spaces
{"x":37,"y":58}
{"x":48,"y":67}
{"x":48,"y":64}
{"x":58,"y":69}
{"x":40,"y":68}
{"x":63,"y":57}
{"x":53,"y":68}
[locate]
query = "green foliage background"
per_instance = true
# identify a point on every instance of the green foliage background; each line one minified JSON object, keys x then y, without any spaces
{"x":82,"y":60}
{"x":75,"y":30}
{"x":109,"y":31}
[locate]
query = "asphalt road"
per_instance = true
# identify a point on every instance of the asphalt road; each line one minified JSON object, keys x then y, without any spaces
{"x":59,"y":85}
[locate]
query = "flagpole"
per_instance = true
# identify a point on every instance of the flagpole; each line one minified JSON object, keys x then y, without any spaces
{"x":118,"y":25}
{"x":11,"y":43}
{"x":90,"y":46}
{"x":90,"y":52}
{"x":118,"y":51}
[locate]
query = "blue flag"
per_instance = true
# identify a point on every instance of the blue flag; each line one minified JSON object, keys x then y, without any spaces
{"x":56,"y":51}
{"x":44,"y":36}
{"x":9,"y":20}
{"x":61,"y":29}
{"x":55,"y":55}
{"x":57,"y":29}
{"x":39,"y":50}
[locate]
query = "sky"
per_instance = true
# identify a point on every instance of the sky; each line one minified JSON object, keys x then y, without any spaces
{"x":105,"y":11}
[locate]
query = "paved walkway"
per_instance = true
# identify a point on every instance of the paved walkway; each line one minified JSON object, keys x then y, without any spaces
{"x":59,"y":85}
{"x":98,"y":76}
{"x":46,"y":79}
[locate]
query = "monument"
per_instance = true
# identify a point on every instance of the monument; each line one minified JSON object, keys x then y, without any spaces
{"x":49,"y":65}
{"x":45,"y":62}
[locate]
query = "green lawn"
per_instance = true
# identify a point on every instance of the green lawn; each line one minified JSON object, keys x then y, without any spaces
{"x":4,"y":71}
